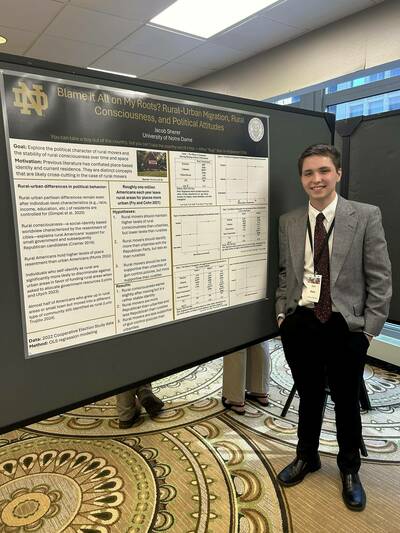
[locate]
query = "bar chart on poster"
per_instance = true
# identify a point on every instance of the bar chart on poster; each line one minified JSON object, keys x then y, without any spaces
{"x":132,"y":210}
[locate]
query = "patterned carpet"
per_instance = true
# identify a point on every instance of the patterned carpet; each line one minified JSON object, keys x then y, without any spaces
{"x":196,"y":467}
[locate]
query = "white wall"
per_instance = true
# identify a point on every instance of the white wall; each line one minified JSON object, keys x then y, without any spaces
{"x":363,"y":40}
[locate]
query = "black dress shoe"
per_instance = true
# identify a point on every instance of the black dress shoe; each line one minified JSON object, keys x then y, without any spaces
{"x":297,"y":470}
{"x":353,"y":493}
{"x":152,"y":404}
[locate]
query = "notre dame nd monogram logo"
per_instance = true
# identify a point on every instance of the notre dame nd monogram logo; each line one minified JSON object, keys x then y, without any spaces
{"x":27,"y":99}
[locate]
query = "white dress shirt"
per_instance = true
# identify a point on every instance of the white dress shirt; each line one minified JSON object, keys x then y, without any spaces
{"x":329,"y":214}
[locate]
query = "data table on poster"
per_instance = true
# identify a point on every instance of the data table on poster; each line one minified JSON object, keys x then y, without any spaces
{"x":113,"y":239}
{"x":241,"y":180}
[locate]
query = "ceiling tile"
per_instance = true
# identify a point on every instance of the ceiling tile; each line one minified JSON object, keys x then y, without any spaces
{"x":159,"y":43}
{"x":119,"y":61}
{"x":311,"y":14}
{"x":82,"y":33}
{"x":177,"y":73}
{"x":91,"y":26}
{"x":65,"y":51}
{"x":142,"y":10}
{"x":212,"y":56}
{"x":17,"y":40}
{"x":258,"y":33}
{"x":28,"y":15}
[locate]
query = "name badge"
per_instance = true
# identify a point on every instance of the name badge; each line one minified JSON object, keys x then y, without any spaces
{"x":313,"y":287}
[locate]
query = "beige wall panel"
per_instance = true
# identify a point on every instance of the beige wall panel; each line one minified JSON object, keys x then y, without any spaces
{"x":360,"y":41}
{"x":383,"y":46}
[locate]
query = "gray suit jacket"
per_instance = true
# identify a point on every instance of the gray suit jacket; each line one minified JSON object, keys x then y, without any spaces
{"x":360,"y":271}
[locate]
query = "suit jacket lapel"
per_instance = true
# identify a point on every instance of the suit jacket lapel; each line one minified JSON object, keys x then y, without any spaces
{"x":297,"y":239}
{"x":345,"y":226}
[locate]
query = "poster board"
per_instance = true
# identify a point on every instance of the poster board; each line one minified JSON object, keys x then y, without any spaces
{"x":140,"y":230}
{"x":132,"y":211}
{"x":370,"y":164}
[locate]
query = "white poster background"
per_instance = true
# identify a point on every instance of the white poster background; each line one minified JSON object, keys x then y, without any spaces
{"x":107,"y":247}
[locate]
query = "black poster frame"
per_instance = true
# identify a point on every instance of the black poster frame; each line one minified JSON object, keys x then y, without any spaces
{"x":42,"y":386}
{"x":370,"y":161}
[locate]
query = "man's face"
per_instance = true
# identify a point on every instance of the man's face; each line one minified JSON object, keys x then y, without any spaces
{"x":319,"y":177}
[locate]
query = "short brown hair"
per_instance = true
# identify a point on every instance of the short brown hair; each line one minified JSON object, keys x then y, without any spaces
{"x":326,"y":150}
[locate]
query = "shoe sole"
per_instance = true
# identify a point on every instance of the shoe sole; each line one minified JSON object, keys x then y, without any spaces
{"x":238,"y":409}
{"x":355,"y":509}
{"x":255,"y":399}
{"x":293,"y":483}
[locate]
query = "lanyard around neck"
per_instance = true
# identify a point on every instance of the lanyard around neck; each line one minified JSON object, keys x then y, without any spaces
{"x":325,"y":243}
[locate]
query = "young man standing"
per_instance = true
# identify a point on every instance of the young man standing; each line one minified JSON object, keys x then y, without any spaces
{"x":333,"y":297}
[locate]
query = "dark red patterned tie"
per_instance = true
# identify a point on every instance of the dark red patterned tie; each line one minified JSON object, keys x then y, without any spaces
{"x":322,"y":309}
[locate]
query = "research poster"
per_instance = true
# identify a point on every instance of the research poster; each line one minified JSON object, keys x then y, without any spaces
{"x":132,"y":210}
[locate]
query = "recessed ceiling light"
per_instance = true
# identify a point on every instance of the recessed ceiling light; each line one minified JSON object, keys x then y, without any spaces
{"x":208,"y":17}
{"x":3,"y":40}
{"x":113,"y":72}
